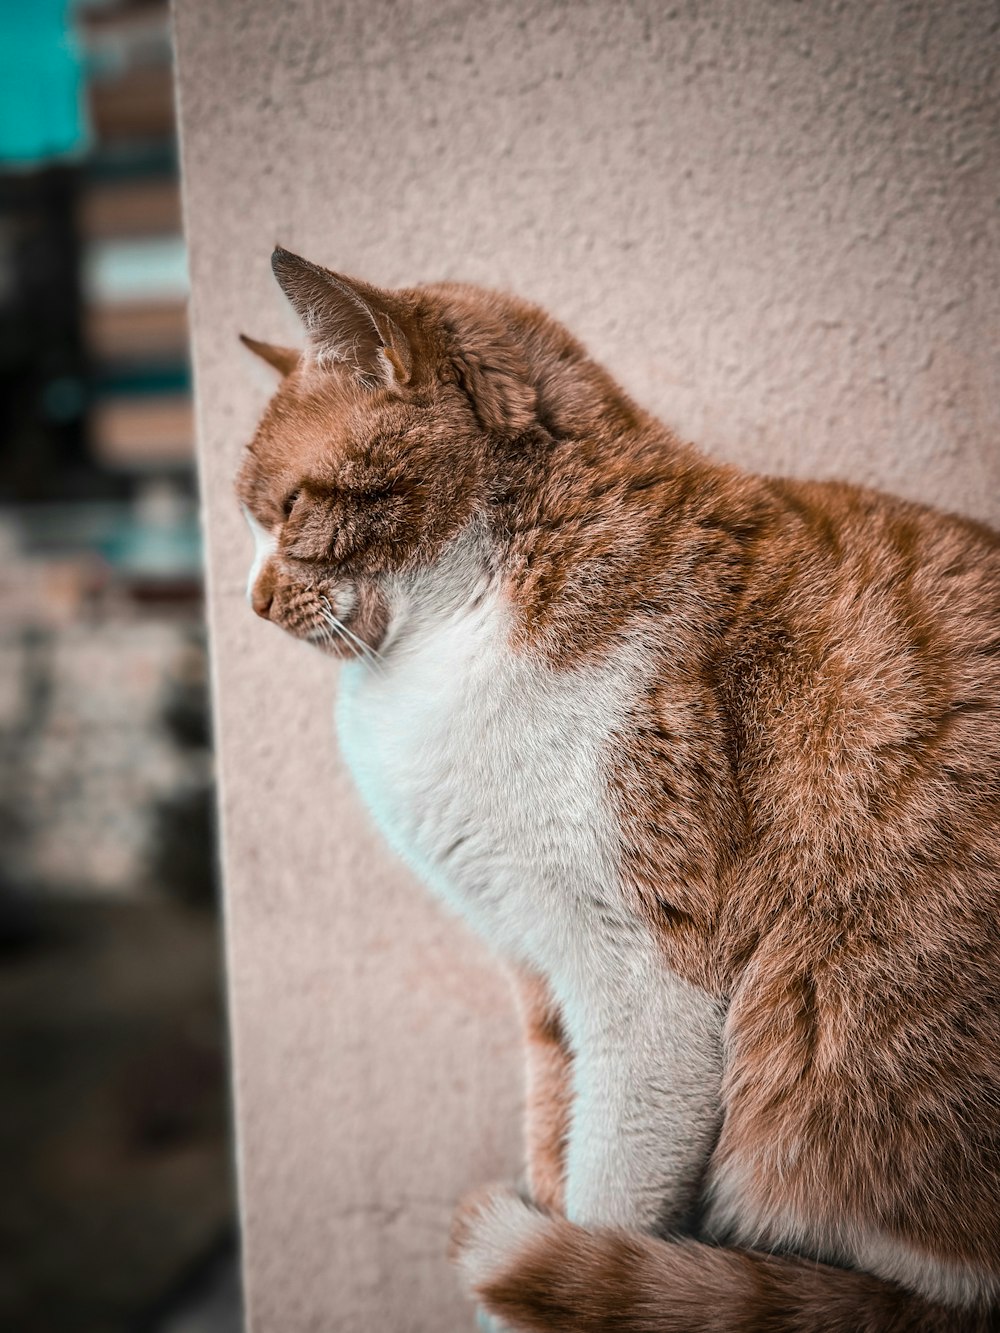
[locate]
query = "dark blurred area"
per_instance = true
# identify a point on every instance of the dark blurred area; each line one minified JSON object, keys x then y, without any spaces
{"x":117,"y":1211}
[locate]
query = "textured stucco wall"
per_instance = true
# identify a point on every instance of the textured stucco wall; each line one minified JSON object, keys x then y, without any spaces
{"x":777,"y":222}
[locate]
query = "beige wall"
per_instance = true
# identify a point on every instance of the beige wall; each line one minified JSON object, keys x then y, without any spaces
{"x":777,"y":222}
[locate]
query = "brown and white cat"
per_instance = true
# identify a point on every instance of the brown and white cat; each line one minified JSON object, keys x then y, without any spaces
{"x":713,"y":761}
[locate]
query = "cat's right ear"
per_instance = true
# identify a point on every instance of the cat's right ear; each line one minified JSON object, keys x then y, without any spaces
{"x":283,"y":359}
{"x":346,"y":321}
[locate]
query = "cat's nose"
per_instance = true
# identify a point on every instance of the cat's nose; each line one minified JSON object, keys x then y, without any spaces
{"x":262,"y":598}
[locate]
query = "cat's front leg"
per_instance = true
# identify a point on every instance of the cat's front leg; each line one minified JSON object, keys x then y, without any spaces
{"x":548,"y":1091}
{"x":647,"y":1076}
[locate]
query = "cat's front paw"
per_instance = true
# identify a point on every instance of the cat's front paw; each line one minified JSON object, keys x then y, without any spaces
{"x":492,"y":1230}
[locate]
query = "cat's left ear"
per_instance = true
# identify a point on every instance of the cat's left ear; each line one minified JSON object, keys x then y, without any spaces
{"x":283,"y":359}
{"x":346,"y":320}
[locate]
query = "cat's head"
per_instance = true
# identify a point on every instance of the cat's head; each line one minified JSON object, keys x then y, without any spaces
{"x":386,"y":438}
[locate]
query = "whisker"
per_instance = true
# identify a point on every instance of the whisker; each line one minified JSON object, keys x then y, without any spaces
{"x":332,"y":630}
{"x":368,"y":654}
{"x":339,"y":625}
{"x":327,"y":633}
{"x":322,"y":634}
{"x":365,"y":648}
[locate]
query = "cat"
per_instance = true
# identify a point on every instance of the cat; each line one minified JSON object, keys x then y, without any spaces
{"x":712,"y":760}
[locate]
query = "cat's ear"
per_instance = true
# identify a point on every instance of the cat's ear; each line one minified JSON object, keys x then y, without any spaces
{"x":345,"y":320}
{"x":283,"y":359}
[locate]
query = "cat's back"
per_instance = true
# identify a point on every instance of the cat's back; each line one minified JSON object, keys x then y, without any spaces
{"x":863,"y":681}
{"x":912,"y":558}
{"x":870,"y":612}
{"x":863,"y":678}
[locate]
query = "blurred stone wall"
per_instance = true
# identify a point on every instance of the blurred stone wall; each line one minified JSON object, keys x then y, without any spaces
{"x":105,"y":767}
{"x":776,"y":222}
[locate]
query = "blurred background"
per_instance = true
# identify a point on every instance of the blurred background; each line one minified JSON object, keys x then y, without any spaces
{"x":117,"y":1211}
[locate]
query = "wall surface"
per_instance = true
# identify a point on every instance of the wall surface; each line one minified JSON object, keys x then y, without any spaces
{"x":777,"y":223}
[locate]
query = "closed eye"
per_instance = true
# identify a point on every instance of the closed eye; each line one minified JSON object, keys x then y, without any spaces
{"x":365,"y":495}
{"x":372,"y":494}
{"x":289,"y":503}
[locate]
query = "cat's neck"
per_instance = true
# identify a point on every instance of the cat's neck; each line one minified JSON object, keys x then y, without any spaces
{"x":426,"y":600}
{"x":596,"y":527}
{"x":593,"y":537}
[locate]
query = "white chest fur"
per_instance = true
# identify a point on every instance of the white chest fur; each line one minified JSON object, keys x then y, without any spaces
{"x":484,"y":769}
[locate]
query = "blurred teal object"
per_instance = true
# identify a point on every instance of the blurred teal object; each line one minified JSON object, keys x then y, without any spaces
{"x":42,"y":113}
